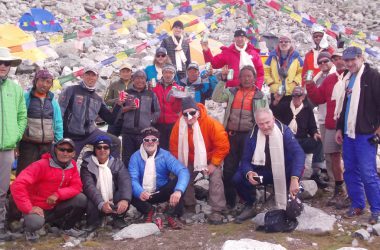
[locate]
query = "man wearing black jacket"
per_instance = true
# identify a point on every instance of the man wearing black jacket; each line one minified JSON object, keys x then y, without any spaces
{"x":357,"y":98}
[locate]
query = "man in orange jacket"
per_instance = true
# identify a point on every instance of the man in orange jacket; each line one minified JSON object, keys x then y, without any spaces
{"x":201,"y":144}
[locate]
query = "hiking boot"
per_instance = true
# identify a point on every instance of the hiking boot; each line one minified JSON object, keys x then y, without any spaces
{"x":4,"y":235}
{"x":32,"y":236}
{"x":173,"y":223}
{"x":374,"y":219}
{"x":248,"y":212}
{"x":339,"y":195}
{"x":353,"y":212}
{"x":118,"y":223}
{"x":215,"y":218}
{"x":149,"y":216}
{"x":320,"y":183}
{"x":73,"y":232}
{"x":343,"y":203}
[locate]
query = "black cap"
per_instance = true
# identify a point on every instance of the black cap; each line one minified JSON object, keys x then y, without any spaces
{"x":150,"y":131}
{"x":240,"y":32}
{"x":63,"y":141}
{"x":188,"y":103}
{"x":178,"y":24}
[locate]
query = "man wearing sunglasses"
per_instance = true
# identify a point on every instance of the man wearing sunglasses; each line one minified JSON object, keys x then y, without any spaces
{"x":12,"y":125}
{"x":150,"y":169}
{"x":201,"y":144}
{"x":49,"y":190}
{"x":107,"y":185}
{"x":320,"y":45}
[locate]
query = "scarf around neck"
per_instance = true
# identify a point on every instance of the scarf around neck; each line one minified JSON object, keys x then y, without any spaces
{"x":293,"y":123}
{"x":149,"y":179}
{"x":245,"y":58}
{"x":105,"y":182}
{"x":180,"y":57}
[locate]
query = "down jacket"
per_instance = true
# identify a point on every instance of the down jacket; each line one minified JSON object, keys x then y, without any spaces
{"x":165,"y":164}
{"x":214,"y":136}
{"x":170,"y":106}
{"x":89,"y":174}
{"x":43,"y":178}
{"x":231,"y":56}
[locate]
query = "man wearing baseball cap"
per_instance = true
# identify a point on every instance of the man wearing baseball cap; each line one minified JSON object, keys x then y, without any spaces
{"x":357,"y":112}
{"x":80,"y":106}
{"x":236,"y":56}
{"x":12,"y":125}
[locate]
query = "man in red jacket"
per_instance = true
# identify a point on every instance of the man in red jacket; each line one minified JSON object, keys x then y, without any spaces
{"x":236,"y":56}
{"x":49,"y":190}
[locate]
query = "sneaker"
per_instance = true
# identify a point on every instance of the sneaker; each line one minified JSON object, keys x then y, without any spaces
{"x":353,"y":212}
{"x":73,"y":232}
{"x":149,"y":216}
{"x":343,"y":203}
{"x":31,"y":236}
{"x":4,"y":235}
{"x":320,"y":183}
{"x":374,"y":219}
{"x":215,"y":218}
{"x":173,"y":223}
{"x":248,"y":212}
{"x":339,"y":196}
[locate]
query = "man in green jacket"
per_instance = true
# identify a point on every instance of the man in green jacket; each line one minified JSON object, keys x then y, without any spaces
{"x":12,"y":126}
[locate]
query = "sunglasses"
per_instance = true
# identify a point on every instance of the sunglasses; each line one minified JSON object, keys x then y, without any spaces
{"x":160,"y":55}
{"x":323,"y":62}
{"x":317,"y":36}
{"x":102,"y":147}
{"x":68,"y":150}
{"x":284,"y":42}
{"x":6,"y":63}
{"x":296,"y":96}
{"x":192,"y":113}
{"x":150,"y":140}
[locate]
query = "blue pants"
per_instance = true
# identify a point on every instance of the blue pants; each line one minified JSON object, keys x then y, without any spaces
{"x":360,"y":173}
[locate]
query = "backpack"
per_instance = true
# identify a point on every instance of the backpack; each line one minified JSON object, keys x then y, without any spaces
{"x":277,"y":221}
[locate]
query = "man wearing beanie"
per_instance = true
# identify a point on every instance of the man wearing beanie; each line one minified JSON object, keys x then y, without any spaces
{"x":201,"y":144}
{"x":239,"y":54}
{"x":80,"y":106}
{"x":40,"y":133}
{"x":107,"y":185}
{"x":49,"y":190}
{"x":150,"y":169}
{"x":178,"y":49}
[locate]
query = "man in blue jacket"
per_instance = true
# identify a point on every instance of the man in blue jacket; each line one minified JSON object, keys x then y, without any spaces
{"x":271,"y":155}
{"x":150,"y":168}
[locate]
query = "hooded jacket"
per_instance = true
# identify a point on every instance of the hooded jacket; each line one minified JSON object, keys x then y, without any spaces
{"x":43,"y":178}
{"x":12,"y":114}
{"x":214,"y":136}
{"x":231,"y":56}
{"x":170,"y":107}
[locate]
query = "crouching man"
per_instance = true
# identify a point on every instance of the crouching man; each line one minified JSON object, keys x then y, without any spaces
{"x":49,"y":190}
{"x":150,"y":168}
{"x":271,"y":151}
{"x":107,"y":185}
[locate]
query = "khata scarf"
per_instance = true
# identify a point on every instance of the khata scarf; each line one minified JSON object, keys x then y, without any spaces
{"x":293,"y":123}
{"x":245,"y":58}
{"x":200,"y":154}
{"x":149,"y":179}
{"x":105,"y":182}
{"x":179,"y":54}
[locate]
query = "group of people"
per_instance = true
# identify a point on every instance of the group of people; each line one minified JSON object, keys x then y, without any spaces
{"x":169,"y":139}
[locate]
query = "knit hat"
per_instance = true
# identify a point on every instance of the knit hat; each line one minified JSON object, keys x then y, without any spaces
{"x":188,"y":103}
{"x":102,"y":139}
{"x":150,"y":131}
{"x":240,"y":32}
{"x":297,"y":91}
{"x":44,"y":74}
{"x":169,"y":67}
{"x":178,"y":24}
{"x":285,"y":36}
{"x":193,"y":65}
{"x":324,"y":54}
{"x":139,"y":72}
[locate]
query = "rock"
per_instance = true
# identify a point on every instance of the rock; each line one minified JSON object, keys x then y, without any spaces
{"x":315,"y":221}
{"x":259,"y":219}
{"x":361,"y":234}
{"x":352,"y":248}
{"x":74,"y":9}
{"x":310,"y":189}
{"x":376,"y":229}
{"x":136,"y":231}
{"x":250,"y":244}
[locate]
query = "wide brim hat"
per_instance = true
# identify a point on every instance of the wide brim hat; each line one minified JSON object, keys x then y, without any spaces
{"x":5,"y":55}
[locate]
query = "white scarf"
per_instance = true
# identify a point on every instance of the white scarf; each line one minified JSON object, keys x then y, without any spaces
{"x":276,"y":149}
{"x":179,"y":54}
{"x":245,"y":58}
{"x":105,"y":182}
{"x":200,"y":153}
{"x":159,"y":72}
{"x":149,"y":179}
{"x":293,"y":123}
{"x":338,"y":95}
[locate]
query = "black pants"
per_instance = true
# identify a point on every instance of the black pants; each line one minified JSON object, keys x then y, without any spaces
{"x":131,"y":143}
{"x":164,"y":195}
{"x":165,"y":131}
{"x":65,"y":215}
{"x":311,"y":146}
{"x":231,"y":163}
{"x":94,"y":215}
{"x":30,"y":152}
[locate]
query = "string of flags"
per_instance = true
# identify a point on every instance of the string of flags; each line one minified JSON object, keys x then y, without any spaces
{"x":139,"y":48}
{"x":183,"y":7}
{"x":330,"y":28}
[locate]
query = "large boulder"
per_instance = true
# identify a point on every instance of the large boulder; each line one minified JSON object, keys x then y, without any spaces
{"x":136,"y":231}
{"x":315,"y":221}
{"x":250,"y":244}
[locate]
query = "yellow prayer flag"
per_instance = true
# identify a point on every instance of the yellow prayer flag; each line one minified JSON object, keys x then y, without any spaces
{"x":361,"y":35}
{"x":213,"y":26}
{"x":129,"y":22}
{"x":44,"y":22}
{"x":199,"y":6}
{"x":55,"y":39}
{"x":218,"y":11}
{"x":109,"y":15}
{"x":121,"y":56}
{"x":56,"y":85}
{"x":170,"y":6}
{"x":328,"y":24}
{"x":296,"y":17}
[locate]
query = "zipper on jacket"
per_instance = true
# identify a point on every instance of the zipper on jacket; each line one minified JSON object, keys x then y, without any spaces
{"x":2,"y":116}
{"x":63,"y":178}
{"x":42,"y":119}
{"x":241,"y":110}
{"x":86,"y":115}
